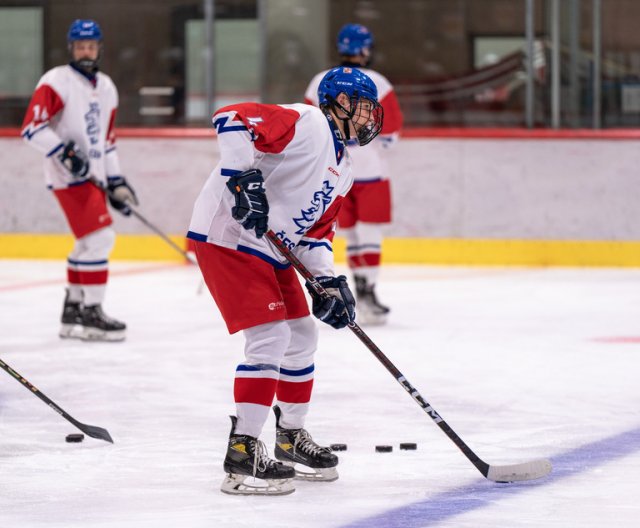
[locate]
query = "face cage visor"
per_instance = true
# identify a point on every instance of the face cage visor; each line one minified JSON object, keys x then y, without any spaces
{"x":363,"y":107}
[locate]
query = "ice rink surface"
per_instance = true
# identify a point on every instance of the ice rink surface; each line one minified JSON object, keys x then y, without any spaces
{"x":522,"y":363}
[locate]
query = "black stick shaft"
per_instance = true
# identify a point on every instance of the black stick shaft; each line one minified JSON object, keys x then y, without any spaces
{"x":91,"y":430}
{"x":146,"y":222}
{"x":164,"y":237}
{"x":482,"y":466}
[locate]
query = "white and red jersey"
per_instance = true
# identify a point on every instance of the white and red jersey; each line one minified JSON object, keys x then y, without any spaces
{"x":307,"y":173}
{"x":69,"y":106}
{"x":370,"y":164}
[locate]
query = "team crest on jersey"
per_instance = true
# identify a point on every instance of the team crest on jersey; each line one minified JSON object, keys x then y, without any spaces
{"x":319,"y":204}
{"x":92,"y":119}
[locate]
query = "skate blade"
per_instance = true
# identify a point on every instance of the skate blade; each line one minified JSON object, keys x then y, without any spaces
{"x":71,"y":331}
{"x":235,"y":484}
{"x":93,"y":334}
{"x":313,"y":474}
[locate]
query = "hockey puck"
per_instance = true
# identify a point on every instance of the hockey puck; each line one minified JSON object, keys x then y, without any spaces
{"x":338,"y":447}
{"x":75,"y":437}
{"x":408,"y":446}
{"x":384,"y":449}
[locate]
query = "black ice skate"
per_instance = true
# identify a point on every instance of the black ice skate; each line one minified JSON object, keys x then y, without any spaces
{"x":100,"y":327}
{"x":369,"y":310}
{"x":247,"y":461}
{"x":295,"y":446}
{"x":71,"y":319}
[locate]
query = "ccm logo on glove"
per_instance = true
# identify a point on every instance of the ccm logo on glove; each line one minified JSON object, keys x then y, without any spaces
{"x":251,"y":207}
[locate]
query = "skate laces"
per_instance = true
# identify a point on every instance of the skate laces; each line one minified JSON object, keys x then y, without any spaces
{"x":303,"y":440}
{"x":97,"y":310}
{"x":261,"y":460}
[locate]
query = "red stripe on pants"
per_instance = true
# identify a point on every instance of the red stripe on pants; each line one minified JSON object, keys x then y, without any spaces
{"x":294,"y":392}
{"x":72,"y":276}
{"x":366,"y":259}
{"x":254,"y":390}
{"x":93,"y":277}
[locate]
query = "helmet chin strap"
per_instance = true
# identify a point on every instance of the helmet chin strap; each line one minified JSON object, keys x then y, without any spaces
{"x":345,"y":120}
{"x":346,"y":128}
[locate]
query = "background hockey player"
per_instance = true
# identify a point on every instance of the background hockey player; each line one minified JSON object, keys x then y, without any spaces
{"x":367,"y":208}
{"x":282,"y":167}
{"x":70,"y":120}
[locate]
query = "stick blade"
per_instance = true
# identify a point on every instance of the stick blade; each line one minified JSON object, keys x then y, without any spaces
{"x":518,"y":472}
{"x":95,"y":432}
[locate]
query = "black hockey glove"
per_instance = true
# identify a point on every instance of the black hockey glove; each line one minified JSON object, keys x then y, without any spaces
{"x":251,"y":208}
{"x":74,"y":160}
{"x":121,"y":194}
{"x":339,"y":309}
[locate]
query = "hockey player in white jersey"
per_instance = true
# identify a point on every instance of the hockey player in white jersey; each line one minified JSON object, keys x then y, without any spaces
{"x":284,"y":168}
{"x":70,"y":120}
{"x":367,"y":208}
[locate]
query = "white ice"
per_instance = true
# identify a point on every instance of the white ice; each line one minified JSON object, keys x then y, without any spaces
{"x":521,"y":363}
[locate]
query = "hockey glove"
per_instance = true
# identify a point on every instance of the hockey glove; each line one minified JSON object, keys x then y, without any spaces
{"x":339,"y":309}
{"x":74,"y":160}
{"x":251,"y":208}
{"x":121,"y":194}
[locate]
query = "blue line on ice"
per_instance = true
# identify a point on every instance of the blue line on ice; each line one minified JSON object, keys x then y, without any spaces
{"x":437,"y":508}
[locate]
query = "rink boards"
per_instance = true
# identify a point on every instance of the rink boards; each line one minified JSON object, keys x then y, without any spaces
{"x":511,"y":197}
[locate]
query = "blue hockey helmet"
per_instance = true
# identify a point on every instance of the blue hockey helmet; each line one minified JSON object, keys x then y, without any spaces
{"x":363,"y":97}
{"x":350,"y":81}
{"x":84,"y":30}
{"x":353,"y":39}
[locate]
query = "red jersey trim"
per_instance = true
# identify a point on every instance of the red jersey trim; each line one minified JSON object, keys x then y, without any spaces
{"x":324,"y":228}
{"x":111,"y":132}
{"x":392,"y":114}
{"x":271,"y":126}
{"x":45,"y":103}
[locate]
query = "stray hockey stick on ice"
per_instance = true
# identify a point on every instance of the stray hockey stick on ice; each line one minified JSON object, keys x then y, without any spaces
{"x":146,"y":222}
{"x":90,"y":430}
{"x":507,"y":473}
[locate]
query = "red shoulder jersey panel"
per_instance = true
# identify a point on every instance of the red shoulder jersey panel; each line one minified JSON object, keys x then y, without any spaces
{"x":271,"y":126}
{"x":45,"y":103}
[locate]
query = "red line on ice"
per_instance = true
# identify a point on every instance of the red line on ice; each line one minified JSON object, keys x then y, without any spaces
{"x":618,"y":339}
{"x":62,"y":279}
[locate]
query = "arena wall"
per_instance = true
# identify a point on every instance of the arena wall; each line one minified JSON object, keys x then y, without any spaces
{"x":466,"y":198}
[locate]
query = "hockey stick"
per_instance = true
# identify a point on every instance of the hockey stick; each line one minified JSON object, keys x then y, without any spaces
{"x":91,"y":430}
{"x":507,"y":473}
{"x":164,"y":237}
{"x":146,"y":222}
